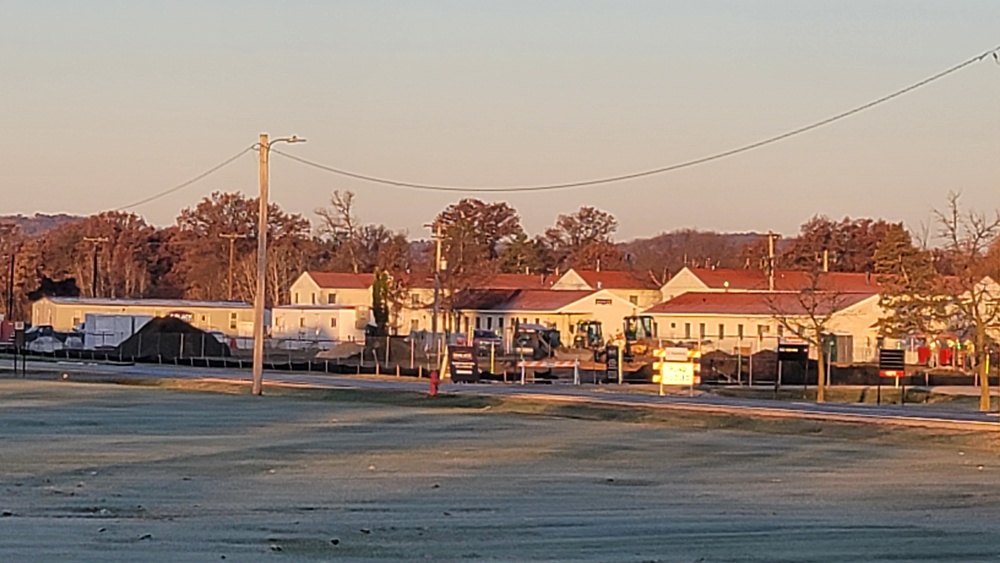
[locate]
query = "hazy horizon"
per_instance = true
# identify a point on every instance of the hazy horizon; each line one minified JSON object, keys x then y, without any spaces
{"x":106,"y":103}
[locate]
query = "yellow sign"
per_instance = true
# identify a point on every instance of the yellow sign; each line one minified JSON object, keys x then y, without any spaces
{"x":677,"y":373}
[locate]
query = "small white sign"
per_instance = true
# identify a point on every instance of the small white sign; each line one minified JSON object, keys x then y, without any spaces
{"x":678,"y":373}
{"x":675,"y":354}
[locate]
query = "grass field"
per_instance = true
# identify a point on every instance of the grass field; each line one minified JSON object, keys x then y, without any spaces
{"x":103,"y":472}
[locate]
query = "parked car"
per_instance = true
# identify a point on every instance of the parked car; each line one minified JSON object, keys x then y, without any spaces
{"x":483,"y":340}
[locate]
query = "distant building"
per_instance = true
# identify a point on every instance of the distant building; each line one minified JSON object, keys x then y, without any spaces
{"x":638,"y":289}
{"x":499,"y":310}
{"x":732,"y":280}
{"x":749,"y":320}
{"x":65,"y":313}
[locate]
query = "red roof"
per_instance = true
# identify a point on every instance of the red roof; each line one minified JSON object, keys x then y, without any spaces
{"x":338,"y":280}
{"x":496,"y":281}
{"x":786,"y":280}
{"x":611,"y":279}
{"x":756,"y":303}
{"x":540,"y":300}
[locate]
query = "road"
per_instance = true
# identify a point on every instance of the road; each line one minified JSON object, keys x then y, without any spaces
{"x":610,"y":395}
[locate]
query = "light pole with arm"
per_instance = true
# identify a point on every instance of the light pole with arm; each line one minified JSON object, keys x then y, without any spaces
{"x":264,"y":148}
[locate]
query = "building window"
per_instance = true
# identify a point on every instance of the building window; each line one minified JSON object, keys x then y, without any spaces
{"x":500,"y":323}
{"x":701,"y":331}
{"x":489,"y":323}
{"x":722,"y":331}
{"x":333,"y":322}
{"x":739,"y":331}
{"x":479,"y":323}
{"x":295,"y":298}
{"x":673,"y":325}
{"x":762,"y":330}
{"x":203,"y":318}
{"x":687,"y":330}
{"x":331,"y":299}
{"x":414,"y":300}
{"x":312,"y":298}
{"x":537,"y":322}
{"x":232,"y":321}
{"x":633,"y":299}
{"x":414,"y":325}
{"x":781,"y":330}
{"x":302,"y":322}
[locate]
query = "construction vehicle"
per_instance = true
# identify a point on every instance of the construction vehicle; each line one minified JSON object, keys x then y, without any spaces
{"x":640,"y":337}
{"x":536,"y":342}
{"x":589,"y":335}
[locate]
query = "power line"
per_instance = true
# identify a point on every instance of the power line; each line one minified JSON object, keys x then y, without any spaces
{"x":654,"y":171}
{"x":183,"y":185}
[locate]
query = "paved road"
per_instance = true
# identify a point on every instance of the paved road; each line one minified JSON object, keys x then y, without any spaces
{"x":913,"y":415}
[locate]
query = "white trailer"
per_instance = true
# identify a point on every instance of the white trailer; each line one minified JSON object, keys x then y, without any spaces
{"x":108,"y":331}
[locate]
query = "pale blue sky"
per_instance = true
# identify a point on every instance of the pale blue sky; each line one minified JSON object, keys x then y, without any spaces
{"x":103,"y":102}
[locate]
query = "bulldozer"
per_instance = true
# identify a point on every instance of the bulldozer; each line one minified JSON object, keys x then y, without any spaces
{"x":640,"y":337}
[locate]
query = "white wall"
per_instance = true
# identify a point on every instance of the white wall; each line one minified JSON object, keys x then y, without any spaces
{"x":317,"y":324}
{"x":683,"y":282}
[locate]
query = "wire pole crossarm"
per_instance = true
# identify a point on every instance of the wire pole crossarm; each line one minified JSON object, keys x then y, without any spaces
{"x":264,"y":149}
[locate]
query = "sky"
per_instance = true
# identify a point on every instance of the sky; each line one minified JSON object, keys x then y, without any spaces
{"x":104,"y":103}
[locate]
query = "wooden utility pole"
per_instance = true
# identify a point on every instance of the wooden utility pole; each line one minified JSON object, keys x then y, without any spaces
{"x":264,"y":151}
{"x":258,"y":298}
{"x":232,"y":237}
{"x":97,"y":241}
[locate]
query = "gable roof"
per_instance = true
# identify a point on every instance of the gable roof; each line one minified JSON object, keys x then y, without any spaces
{"x":540,"y":300}
{"x":615,"y":279}
{"x":340,"y":280}
{"x":785,"y":280}
{"x":496,"y":281}
{"x":756,"y":303}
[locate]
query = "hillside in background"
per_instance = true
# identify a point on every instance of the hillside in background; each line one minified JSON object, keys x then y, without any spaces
{"x":38,"y":223}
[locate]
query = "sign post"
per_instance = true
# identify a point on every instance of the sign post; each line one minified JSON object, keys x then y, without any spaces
{"x":891,"y":363}
{"x":462,"y":364}
{"x":789,"y":352}
{"x":19,"y":348}
{"x":676,"y":367}
{"x":613,"y":364}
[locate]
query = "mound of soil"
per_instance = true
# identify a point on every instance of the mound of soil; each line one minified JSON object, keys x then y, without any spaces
{"x":169,"y":338}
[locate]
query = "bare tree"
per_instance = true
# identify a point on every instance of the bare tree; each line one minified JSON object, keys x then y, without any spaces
{"x":340,"y":222}
{"x":808,"y":312}
{"x":974,"y":304}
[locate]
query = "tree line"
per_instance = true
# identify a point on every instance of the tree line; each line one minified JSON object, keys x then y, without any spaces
{"x":191,"y":258}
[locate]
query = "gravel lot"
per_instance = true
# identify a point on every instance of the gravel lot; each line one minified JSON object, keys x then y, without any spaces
{"x":110,"y":473}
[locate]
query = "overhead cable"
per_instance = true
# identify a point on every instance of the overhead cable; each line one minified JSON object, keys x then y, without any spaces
{"x":661,"y":170}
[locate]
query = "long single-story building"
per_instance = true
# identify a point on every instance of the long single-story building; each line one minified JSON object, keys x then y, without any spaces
{"x":754,"y":320}
{"x":66,"y":313}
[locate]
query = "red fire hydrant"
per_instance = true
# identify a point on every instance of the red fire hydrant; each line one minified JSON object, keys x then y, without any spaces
{"x":435,"y":381}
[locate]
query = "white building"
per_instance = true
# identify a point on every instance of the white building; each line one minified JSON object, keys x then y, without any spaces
{"x":319,"y":325}
{"x":730,"y":321}
{"x":731,"y":280}
{"x":638,"y":289}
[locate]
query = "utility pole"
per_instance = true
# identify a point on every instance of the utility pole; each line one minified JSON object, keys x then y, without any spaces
{"x":770,"y":260}
{"x":437,"y":292}
{"x":97,"y":241}
{"x":264,"y":152}
{"x":232,"y":254}
{"x":10,"y":287}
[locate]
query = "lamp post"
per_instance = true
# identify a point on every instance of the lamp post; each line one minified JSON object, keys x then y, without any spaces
{"x":264,"y":149}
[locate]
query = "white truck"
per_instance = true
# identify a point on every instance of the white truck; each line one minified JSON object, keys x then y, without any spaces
{"x":108,"y":331}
